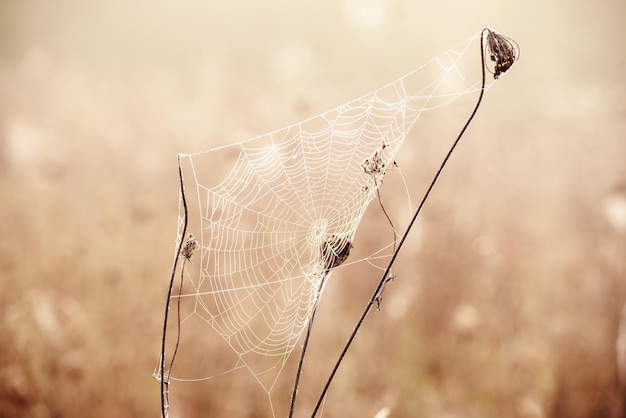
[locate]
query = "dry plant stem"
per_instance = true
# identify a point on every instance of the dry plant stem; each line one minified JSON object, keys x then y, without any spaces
{"x":310,"y":325}
{"x":180,"y":291}
{"x":304,"y":348}
{"x":379,"y":297}
{"x":383,"y":280}
{"x":164,"y":398}
{"x":393,"y":228}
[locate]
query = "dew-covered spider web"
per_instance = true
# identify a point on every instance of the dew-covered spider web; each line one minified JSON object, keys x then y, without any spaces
{"x":262,"y":211}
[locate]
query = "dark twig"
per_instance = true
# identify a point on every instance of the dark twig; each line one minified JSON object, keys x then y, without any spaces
{"x":180,"y":289}
{"x":379,"y":297}
{"x":335,"y":250}
{"x":304,"y":348}
{"x":163,"y":377}
{"x":504,"y":60}
{"x":393,"y":228}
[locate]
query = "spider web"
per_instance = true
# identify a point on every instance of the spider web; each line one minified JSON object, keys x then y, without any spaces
{"x":261,"y":210}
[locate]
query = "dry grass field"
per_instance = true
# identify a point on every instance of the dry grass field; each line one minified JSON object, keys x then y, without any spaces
{"x":508,"y":294}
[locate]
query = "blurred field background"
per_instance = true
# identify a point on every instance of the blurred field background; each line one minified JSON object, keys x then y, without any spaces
{"x":508,"y":295}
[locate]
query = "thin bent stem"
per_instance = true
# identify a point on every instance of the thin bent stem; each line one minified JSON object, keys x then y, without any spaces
{"x":164,"y":397}
{"x":180,"y":291}
{"x":385,"y":276}
{"x":393,"y":228}
{"x":304,"y":347}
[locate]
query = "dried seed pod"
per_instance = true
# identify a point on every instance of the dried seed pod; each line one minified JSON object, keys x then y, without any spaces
{"x":190,"y":247}
{"x":503,"y":52}
{"x":335,"y":251}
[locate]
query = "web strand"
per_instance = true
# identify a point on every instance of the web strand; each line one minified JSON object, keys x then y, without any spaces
{"x":486,"y":33}
{"x":264,"y":210}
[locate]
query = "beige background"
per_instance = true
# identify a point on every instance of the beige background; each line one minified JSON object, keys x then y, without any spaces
{"x":507,"y":299}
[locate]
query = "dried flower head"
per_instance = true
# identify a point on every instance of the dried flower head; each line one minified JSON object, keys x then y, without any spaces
{"x":190,"y":247}
{"x":374,"y":166}
{"x":335,"y":251}
{"x":503,"y":52}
